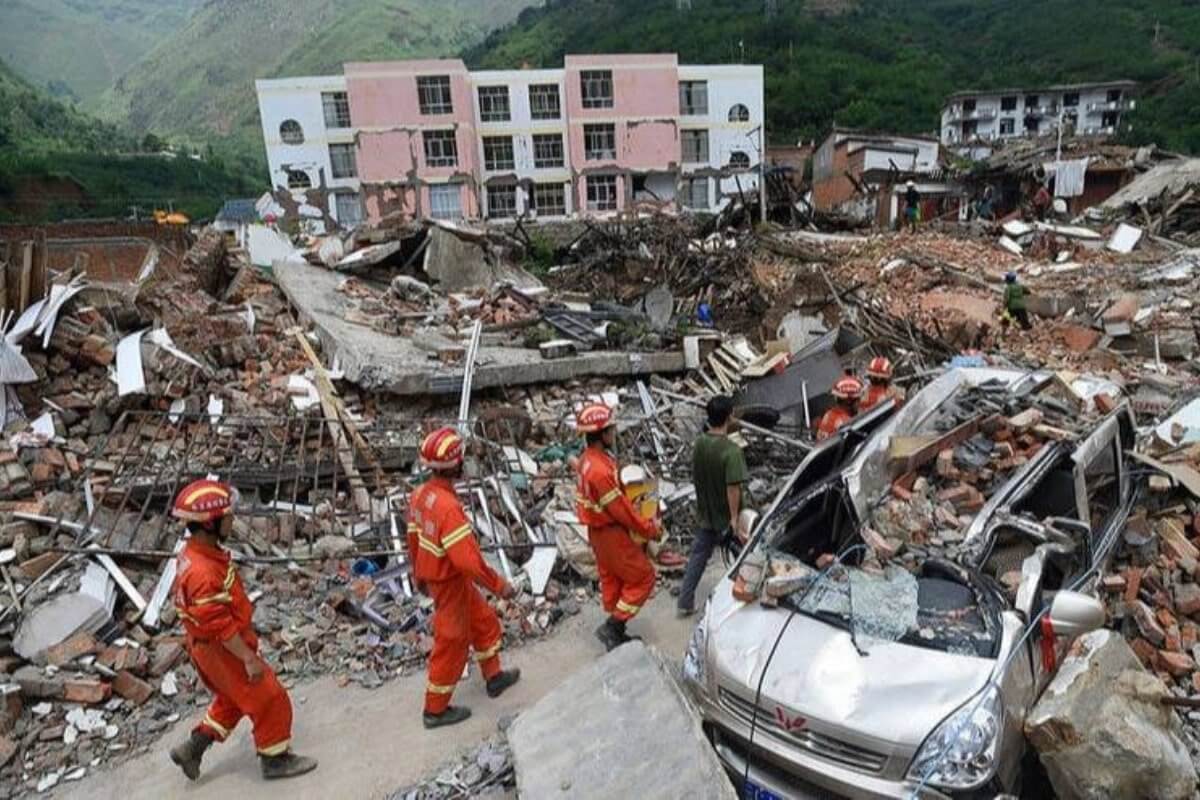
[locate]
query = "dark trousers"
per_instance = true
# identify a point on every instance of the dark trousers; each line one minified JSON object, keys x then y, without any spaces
{"x":702,"y":549}
{"x":1022,"y":318}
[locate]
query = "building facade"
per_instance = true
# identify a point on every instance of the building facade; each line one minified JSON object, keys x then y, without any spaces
{"x":599,"y":136}
{"x":848,"y":162}
{"x":1083,"y":108}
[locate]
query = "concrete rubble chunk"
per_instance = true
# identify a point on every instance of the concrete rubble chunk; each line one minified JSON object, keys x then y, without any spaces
{"x":57,"y":620}
{"x":625,"y":709}
{"x":1101,"y":732}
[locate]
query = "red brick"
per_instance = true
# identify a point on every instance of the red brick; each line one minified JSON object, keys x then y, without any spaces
{"x":945,"y":464}
{"x":1114,"y":583}
{"x":1079,"y":339}
{"x":1174,"y":640}
{"x":8,"y":749}
{"x":85,"y":690}
{"x":1189,"y":635}
{"x":1178,"y":664}
{"x":81,"y":644}
{"x":1104,"y":403}
{"x":169,"y":653}
{"x":11,"y":706}
{"x":1187,"y":599}
{"x":132,"y":688}
{"x":1133,"y":583}
{"x":1145,"y":651}
{"x":1165,"y":618}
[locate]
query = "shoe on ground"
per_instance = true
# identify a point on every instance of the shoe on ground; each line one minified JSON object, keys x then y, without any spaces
{"x":503,"y":680}
{"x":188,"y":754}
{"x":451,"y":716}
{"x":288,"y":765}
{"x":609,"y":636}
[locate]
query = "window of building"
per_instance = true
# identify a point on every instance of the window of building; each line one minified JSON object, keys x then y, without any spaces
{"x":739,"y":159}
{"x":1008,"y":103}
{"x":433,"y":94}
{"x":1032,"y":101}
{"x":968,"y":105}
{"x":544,"y":102}
{"x":1071,"y":99}
{"x":739,"y":113}
{"x":599,"y":142}
{"x":639,"y":186}
{"x":291,"y":132}
{"x":602,"y":193}
{"x":336,"y":106}
{"x":342,"y":161}
{"x":298,"y":179}
{"x":502,"y":201}
{"x":1109,"y":119}
{"x":441,"y":149}
{"x":695,"y":193}
{"x":1031,"y":126}
{"x":694,"y":144}
{"x":550,"y":199}
{"x":1008,"y":126}
{"x":445,"y":201}
{"x":693,"y":98}
{"x":493,"y":104}
{"x":498,"y":153}
{"x":348,"y":207}
{"x":547,"y":150}
{"x":597,"y":88}
{"x":1114,"y":95}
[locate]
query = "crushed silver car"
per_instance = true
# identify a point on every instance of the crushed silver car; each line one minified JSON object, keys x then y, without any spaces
{"x":890,"y":636}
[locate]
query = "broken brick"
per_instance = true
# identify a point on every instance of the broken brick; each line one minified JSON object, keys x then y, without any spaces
{"x":132,"y":688}
{"x":8,"y":749}
{"x":1114,"y":583}
{"x":1178,"y":664}
{"x":1022,"y":422}
{"x":11,"y":706}
{"x":1187,"y":598}
{"x":1146,"y":652}
{"x":1133,"y":583}
{"x":1147,"y":624}
{"x":166,"y":655}
{"x":85,"y":690}
{"x":81,"y":644}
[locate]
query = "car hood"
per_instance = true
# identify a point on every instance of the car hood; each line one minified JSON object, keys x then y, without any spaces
{"x":896,"y":694}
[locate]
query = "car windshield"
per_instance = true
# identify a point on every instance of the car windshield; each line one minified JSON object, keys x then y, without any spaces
{"x":931,"y":611}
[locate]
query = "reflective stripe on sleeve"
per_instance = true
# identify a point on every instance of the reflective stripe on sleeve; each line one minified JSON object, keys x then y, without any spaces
{"x":455,"y":536}
{"x":608,"y":497}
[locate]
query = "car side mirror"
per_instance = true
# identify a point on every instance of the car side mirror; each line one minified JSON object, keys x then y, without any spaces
{"x":1074,"y":614}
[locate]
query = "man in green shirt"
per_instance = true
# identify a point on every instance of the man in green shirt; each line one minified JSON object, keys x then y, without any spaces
{"x":718,"y":472}
{"x":1014,"y":301}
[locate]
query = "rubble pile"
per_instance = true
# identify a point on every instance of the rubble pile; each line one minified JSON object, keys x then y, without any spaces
{"x":484,"y":772}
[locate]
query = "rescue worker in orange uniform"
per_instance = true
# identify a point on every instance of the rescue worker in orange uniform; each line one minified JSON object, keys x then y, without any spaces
{"x":616,"y":531}
{"x":216,"y":613}
{"x":447,"y":566}
{"x":880,"y":388}
{"x":846,"y":391}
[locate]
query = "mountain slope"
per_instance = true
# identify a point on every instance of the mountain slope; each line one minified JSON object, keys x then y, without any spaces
{"x":78,"y":48}
{"x":200,"y":81}
{"x":888,"y":64}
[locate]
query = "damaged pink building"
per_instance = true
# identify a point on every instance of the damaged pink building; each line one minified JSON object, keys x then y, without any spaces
{"x":599,"y":136}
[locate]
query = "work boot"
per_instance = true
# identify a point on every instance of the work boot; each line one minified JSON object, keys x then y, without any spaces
{"x":625,"y":637}
{"x":501,"y":681}
{"x":451,"y":716}
{"x":286,"y":765}
{"x":188,"y":754}
{"x":610,"y":635}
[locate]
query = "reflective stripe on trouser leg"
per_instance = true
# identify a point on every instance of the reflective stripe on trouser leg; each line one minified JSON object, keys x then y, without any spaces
{"x":220,"y":720}
{"x":266,"y":702}
{"x":486,"y":634}
{"x":451,"y":642}
{"x":636,"y":574}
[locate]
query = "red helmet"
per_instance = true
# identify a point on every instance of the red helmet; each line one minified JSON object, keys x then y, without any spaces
{"x":880,"y":367}
{"x":847,"y":388}
{"x":205,"y":501}
{"x":442,"y":449}
{"x":593,"y":418}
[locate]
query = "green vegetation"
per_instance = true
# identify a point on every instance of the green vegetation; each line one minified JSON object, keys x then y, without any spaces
{"x":888,"y":64}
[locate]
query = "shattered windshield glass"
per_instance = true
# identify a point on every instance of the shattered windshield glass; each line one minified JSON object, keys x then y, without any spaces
{"x":897,"y":606}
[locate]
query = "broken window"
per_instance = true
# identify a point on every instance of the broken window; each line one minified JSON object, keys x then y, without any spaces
{"x":1102,"y":477}
{"x":291,"y":132}
{"x":342,"y":161}
{"x":544,"y":102}
{"x":433,"y":94}
{"x":693,"y":98}
{"x":739,"y":113}
{"x":695,"y":193}
{"x":547,"y":150}
{"x":502,"y":201}
{"x":968,"y":105}
{"x":1008,"y":126}
{"x":445,"y":201}
{"x":599,"y":142}
{"x":493,"y":104}
{"x":550,"y":199}
{"x":1008,"y":103}
{"x":597,"y":88}
{"x":441,"y":148}
{"x":498,"y":153}
{"x":694,"y":144}
{"x":348,"y":208}
{"x":739,"y":159}
{"x":1031,"y":102}
{"x":1114,"y":95}
{"x":1071,"y":99}
{"x":336,"y":106}
{"x":298,"y":179}
{"x":602,"y":192}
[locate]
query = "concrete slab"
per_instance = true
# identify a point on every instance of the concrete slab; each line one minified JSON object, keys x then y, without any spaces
{"x":625,"y":711}
{"x":380,"y":362}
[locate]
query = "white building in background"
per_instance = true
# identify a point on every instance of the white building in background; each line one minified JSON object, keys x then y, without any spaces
{"x":310,"y":140}
{"x":1081,"y":108}
{"x":725,"y":103}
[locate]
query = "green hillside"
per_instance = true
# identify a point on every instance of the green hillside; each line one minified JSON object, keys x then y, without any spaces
{"x":888,"y":64}
{"x":33,"y":123}
{"x":200,"y":81}
{"x":78,"y":48}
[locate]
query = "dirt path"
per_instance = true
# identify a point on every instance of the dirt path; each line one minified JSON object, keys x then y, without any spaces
{"x":371,"y":743}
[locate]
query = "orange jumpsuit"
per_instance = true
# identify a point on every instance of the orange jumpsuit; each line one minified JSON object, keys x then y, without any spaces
{"x":212,"y":603}
{"x":834,"y":418}
{"x":877,"y":393}
{"x":447,"y":560}
{"x":617,"y":533}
